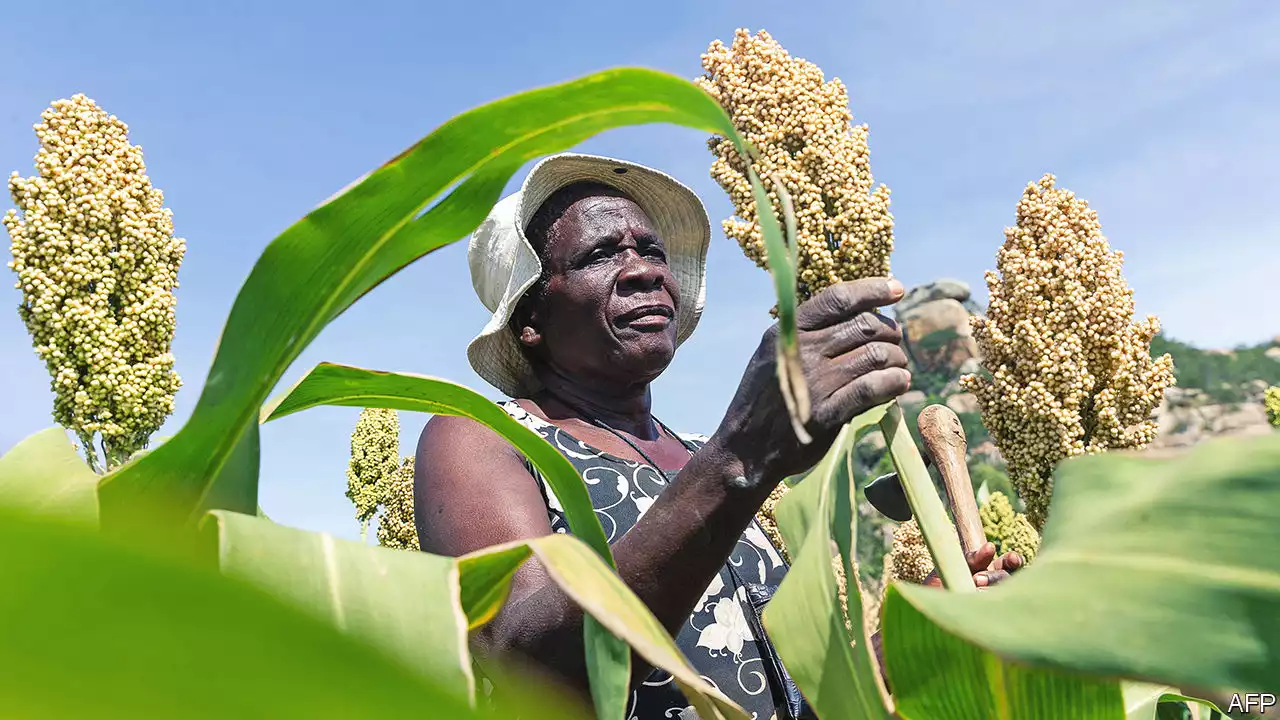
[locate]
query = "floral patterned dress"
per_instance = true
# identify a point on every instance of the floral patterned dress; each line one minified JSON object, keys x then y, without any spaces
{"x":717,"y":639}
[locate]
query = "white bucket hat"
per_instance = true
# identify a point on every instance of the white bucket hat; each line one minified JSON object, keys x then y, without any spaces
{"x":504,"y":264}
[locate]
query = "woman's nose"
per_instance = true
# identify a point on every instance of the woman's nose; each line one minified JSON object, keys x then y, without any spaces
{"x":640,"y":272}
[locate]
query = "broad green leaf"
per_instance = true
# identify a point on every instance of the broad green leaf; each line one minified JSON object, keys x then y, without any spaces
{"x":235,"y":487}
{"x":341,"y":250}
{"x":585,"y":578}
{"x":44,"y":475}
{"x":833,"y":666}
{"x":607,"y":657}
{"x":330,"y":384}
{"x":926,"y":506}
{"x":103,"y":630}
{"x":485,"y":578}
{"x":1162,"y":570}
{"x":960,"y":681}
{"x":404,"y":604}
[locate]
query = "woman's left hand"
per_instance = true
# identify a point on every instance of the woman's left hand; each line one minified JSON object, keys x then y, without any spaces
{"x":987,"y":569}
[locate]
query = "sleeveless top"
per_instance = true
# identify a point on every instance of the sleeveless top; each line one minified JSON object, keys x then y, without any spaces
{"x":716,"y":638}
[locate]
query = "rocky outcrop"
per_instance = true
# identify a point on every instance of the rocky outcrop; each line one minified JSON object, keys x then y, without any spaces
{"x":945,"y":289}
{"x":937,"y":335}
{"x":912,"y":398}
{"x":964,"y":403}
{"x":1187,"y":417}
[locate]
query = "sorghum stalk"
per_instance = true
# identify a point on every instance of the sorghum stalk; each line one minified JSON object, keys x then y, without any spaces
{"x":97,"y":264}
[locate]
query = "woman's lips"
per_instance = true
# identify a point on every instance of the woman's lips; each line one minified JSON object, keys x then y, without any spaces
{"x":650,"y":317}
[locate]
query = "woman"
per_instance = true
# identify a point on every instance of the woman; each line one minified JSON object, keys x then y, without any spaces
{"x":595,"y":273}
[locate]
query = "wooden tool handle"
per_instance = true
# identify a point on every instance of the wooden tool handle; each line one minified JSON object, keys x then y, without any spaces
{"x":944,"y":439}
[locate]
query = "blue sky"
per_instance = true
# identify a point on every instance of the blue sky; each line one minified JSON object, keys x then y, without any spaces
{"x":1161,"y":114}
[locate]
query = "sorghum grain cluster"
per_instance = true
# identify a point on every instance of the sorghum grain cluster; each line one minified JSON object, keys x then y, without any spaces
{"x":97,"y":264}
{"x":1068,"y":370}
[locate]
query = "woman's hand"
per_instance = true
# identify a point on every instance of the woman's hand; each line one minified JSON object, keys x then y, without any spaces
{"x":852,"y":360}
{"x":987,"y":569}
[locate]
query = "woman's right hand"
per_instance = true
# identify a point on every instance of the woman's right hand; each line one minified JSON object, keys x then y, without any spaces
{"x":852,"y":360}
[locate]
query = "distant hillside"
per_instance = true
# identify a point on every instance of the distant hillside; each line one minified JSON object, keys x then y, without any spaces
{"x":1225,"y":376}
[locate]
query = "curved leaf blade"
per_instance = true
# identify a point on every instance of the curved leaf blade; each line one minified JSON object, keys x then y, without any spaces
{"x":927,"y":507}
{"x":1190,"y":535}
{"x":485,"y":578}
{"x":960,"y":681}
{"x":404,"y":604}
{"x":343,"y":385}
{"x":144,"y":636}
{"x":595,"y":586}
{"x":347,"y":246}
{"x":834,"y":667}
{"x":44,"y":475}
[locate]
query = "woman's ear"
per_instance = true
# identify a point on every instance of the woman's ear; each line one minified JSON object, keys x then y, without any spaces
{"x":529,"y":337}
{"x":524,"y":323}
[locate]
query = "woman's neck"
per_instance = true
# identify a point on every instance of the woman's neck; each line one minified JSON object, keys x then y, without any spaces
{"x":623,"y":409}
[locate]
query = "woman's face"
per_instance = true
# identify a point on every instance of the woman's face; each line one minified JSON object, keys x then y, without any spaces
{"x":609,"y":305}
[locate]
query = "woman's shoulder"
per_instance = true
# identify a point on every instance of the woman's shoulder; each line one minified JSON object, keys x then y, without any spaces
{"x":458,"y":435}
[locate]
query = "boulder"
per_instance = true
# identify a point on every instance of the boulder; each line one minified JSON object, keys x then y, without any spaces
{"x":1186,"y":418}
{"x":963,"y":403}
{"x":938,"y":335}
{"x":912,"y":397}
{"x":873,"y":441}
{"x":1273,"y":352}
{"x":945,"y":289}
{"x":987,"y":452}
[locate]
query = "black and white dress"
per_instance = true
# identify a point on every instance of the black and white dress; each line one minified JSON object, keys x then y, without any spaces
{"x":717,"y":639}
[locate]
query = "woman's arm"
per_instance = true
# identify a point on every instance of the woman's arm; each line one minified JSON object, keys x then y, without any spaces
{"x":472,"y":490}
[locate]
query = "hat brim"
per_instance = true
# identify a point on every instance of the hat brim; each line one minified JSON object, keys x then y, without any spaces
{"x":504,"y":264}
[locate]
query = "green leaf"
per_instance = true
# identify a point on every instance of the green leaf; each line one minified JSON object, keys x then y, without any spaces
{"x":834,"y":668}
{"x":485,"y":578}
{"x":608,"y":660}
{"x":586,"y":579}
{"x":330,"y":384}
{"x":1192,"y":536}
{"x":962,"y":682}
{"x":404,"y":604}
{"x":44,"y":475}
{"x":343,"y":249}
{"x":926,"y":506}
{"x":103,"y":630}
{"x":235,"y":487}
{"x":782,"y":267}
